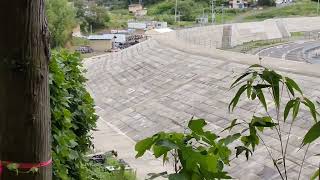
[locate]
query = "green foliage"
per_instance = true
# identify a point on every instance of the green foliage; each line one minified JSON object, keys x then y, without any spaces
{"x":97,"y":16}
{"x":188,"y":9}
{"x":73,"y":116}
{"x":166,"y":18}
{"x":119,"y":18}
{"x":266,"y":3}
{"x":198,"y":154}
{"x":316,"y":175}
{"x":61,"y":20}
{"x":98,"y":172}
{"x":297,"y":34}
{"x":312,"y":134}
{"x":114,"y":4}
{"x":257,"y":81}
{"x":91,"y":15}
{"x":165,"y":7}
{"x":254,"y":45}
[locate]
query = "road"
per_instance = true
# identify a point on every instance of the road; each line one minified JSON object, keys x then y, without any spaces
{"x":290,"y":51}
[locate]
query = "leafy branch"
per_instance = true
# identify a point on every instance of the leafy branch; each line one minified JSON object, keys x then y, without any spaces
{"x":258,"y":81}
{"x":198,"y":154}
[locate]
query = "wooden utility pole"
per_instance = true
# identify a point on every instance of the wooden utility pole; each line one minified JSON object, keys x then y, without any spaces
{"x":175,"y":11}
{"x":25,"y":135}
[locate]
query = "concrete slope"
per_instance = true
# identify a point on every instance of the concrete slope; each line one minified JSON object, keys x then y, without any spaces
{"x":160,"y":84}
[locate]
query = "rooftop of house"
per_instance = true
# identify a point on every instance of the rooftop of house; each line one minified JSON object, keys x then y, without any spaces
{"x":116,"y":37}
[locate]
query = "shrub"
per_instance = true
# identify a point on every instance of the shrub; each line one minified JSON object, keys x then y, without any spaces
{"x":287,"y":97}
{"x":72,"y":114}
{"x":161,"y":8}
{"x":266,"y":3}
{"x":61,"y":20}
{"x":197,"y":153}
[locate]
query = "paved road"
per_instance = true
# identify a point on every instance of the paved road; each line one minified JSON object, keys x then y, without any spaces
{"x":290,"y":51}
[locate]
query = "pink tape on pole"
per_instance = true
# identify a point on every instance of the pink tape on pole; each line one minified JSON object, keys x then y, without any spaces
{"x":25,"y":165}
{"x":0,"y":167}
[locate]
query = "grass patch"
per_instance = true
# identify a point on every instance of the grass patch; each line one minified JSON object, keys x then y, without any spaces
{"x":252,"y":45}
{"x":300,"y":8}
{"x":99,"y":169}
{"x":119,"y":18}
{"x":99,"y":173}
{"x":297,"y":34}
{"x":77,"y":41}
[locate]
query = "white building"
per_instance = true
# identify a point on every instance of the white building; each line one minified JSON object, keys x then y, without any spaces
{"x":238,"y":4}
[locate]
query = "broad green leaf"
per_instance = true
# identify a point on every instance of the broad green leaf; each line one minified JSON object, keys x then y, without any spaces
{"x":230,"y":138}
{"x":287,"y":109}
{"x":220,"y":165}
{"x":159,"y":150}
{"x":261,"y":98}
{"x":142,"y":146}
{"x":197,"y":125}
{"x":273,"y":79}
{"x":252,"y":139}
{"x":255,"y":66}
{"x":241,"y":149}
{"x":223,"y":152}
{"x":276,"y":93}
{"x":209,"y":137}
{"x":167,"y":144}
{"x":211,"y":163}
{"x":262,"y":121}
{"x":253,"y":95}
{"x":262,"y":86}
{"x":295,"y":109}
{"x":293,"y":84}
{"x":236,"y":98}
{"x":312,"y":134}
{"x":249,"y":90}
{"x":290,"y":88}
{"x":311,"y":107}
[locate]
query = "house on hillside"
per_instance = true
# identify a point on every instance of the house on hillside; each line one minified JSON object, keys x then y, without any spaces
{"x":280,"y":3}
{"x":105,"y":42}
{"x":133,"y":8}
{"x":141,"y":12}
{"x":238,"y":4}
{"x":140,"y":27}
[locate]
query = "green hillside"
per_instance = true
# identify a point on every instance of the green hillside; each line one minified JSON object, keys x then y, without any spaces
{"x":299,"y":8}
{"x":189,"y":10}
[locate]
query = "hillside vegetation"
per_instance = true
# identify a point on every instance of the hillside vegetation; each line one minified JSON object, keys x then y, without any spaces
{"x":300,"y":8}
{"x":189,"y":10}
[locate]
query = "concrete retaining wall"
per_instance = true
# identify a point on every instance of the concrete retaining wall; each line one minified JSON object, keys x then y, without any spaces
{"x":212,"y":36}
{"x":302,"y":24}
